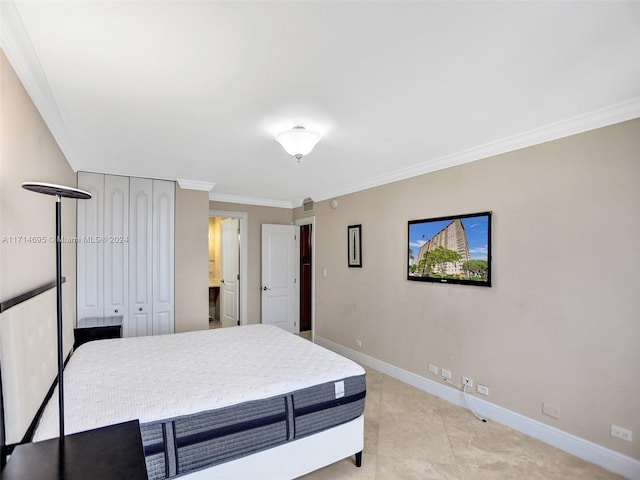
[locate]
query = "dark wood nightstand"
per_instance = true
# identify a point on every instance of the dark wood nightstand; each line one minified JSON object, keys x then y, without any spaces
{"x":97,"y":328}
{"x":109,"y":453}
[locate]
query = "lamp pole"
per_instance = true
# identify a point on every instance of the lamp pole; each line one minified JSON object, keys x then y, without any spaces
{"x":59,"y":191}
{"x":59,"y":311}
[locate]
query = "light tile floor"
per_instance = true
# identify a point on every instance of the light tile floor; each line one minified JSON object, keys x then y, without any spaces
{"x":413,"y":435}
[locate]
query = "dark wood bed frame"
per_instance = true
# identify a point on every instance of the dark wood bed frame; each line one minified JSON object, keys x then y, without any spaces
{"x":5,"y":450}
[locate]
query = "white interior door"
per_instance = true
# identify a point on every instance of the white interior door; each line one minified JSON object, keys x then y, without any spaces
{"x":163,"y":256}
{"x":229,"y":272}
{"x":140,"y":321}
{"x":116,"y":247}
{"x":90,"y":254}
{"x":280,"y":268}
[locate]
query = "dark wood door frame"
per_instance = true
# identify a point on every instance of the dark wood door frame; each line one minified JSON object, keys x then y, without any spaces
{"x":306,"y":273}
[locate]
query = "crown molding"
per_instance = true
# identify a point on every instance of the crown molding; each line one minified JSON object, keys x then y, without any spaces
{"x":617,"y":113}
{"x":620,"y":112}
{"x":20,"y":52}
{"x":262,"y":202}
{"x":195,"y":185}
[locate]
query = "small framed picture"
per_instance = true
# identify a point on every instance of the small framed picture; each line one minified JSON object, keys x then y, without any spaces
{"x":354,"y":233}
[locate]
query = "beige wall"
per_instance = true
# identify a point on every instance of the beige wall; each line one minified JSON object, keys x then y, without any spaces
{"x":560,"y":324}
{"x":256,"y":216}
{"x":28,"y":152}
{"x":28,"y":339}
{"x":192,"y":258}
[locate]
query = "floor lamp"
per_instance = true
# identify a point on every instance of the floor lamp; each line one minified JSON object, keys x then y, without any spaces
{"x":58,"y":191}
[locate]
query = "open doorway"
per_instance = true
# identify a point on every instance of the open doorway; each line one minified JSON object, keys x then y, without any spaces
{"x":307,"y":281}
{"x":227,"y":269}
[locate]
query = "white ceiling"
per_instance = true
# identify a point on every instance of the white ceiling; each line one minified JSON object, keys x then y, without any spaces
{"x":198,"y":90}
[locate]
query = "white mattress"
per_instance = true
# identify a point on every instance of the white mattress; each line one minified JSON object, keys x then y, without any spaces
{"x":153,"y":378}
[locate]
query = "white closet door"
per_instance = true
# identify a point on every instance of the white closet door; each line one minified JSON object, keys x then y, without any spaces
{"x":89,"y":251}
{"x":163,"y":256}
{"x":116,"y":246}
{"x":140,"y":258}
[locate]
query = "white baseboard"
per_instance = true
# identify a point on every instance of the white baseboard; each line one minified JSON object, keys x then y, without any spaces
{"x":611,"y":460}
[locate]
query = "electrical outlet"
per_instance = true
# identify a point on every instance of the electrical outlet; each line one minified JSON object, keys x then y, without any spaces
{"x":433,"y":368}
{"x":620,"y":432}
{"x":358,"y":343}
{"x":481,"y":389}
{"x":446,"y":373}
{"x":467,"y":381}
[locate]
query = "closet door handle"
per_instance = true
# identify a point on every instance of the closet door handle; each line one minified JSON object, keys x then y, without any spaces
{"x":140,"y":309}
{"x":265,"y":288}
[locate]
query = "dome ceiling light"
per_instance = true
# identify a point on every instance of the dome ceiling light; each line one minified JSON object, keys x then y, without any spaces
{"x":298,"y":141}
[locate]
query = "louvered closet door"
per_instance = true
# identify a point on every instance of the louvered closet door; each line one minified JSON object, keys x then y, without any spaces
{"x":163,"y":256}
{"x":90,"y":297}
{"x":140,"y":257}
{"x":116,"y":246}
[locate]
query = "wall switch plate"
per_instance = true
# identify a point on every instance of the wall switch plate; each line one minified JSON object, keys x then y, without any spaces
{"x":446,"y":373}
{"x":481,"y":389}
{"x":433,"y":368}
{"x":358,"y":343}
{"x":620,"y":432}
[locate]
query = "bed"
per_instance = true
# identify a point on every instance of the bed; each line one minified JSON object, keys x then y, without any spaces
{"x":229,"y":401}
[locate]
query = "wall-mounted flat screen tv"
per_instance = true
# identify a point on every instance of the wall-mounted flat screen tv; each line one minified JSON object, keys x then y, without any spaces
{"x":455,"y":249}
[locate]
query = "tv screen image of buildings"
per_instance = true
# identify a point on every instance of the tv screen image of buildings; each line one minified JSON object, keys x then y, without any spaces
{"x":454,"y":249}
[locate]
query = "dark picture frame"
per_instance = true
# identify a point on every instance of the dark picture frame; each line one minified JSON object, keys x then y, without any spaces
{"x":454,"y":249}
{"x":354,"y":246}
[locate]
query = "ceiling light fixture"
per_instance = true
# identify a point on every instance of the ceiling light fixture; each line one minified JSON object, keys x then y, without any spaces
{"x":298,"y":141}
